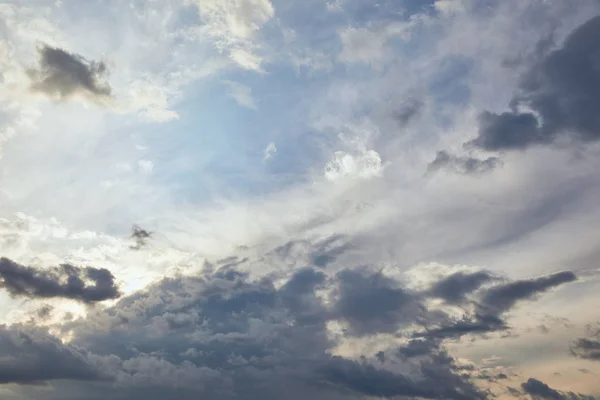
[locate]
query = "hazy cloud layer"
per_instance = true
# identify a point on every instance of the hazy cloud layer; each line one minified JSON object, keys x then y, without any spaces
{"x":84,"y":284}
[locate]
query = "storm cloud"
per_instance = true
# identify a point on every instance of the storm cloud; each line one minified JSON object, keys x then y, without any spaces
{"x":61,"y":74}
{"x":85,"y":284}
{"x":32,"y":355}
{"x":561,"y":92}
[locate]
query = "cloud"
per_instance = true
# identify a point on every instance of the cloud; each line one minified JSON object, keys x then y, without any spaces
{"x":242,"y":94}
{"x":365,"y":165}
{"x":61,"y":74}
{"x":87,"y":284}
{"x":490,"y":304}
{"x":140,"y":236}
{"x":146,"y":166}
{"x":587,"y":348}
{"x":463,"y":165}
{"x":450,"y":7}
{"x":371,"y":303}
{"x":454,"y":288}
{"x":229,"y":335}
{"x":499,"y":299}
{"x":31,"y":355}
{"x":540,"y":391}
{"x":367,"y":46}
{"x":234,"y":25}
{"x":270,"y":150}
{"x":556,"y":98}
{"x":409,"y":111}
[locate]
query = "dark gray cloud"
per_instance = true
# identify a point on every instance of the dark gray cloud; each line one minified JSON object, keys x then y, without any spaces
{"x":462,"y":165}
{"x":141,"y":237}
{"x":491,"y":303}
{"x":540,"y":391}
{"x":561,"y":89}
{"x":66,"y":281}
{"x":454,"y":288}
{"x":227,"y":335}
{"x":588,"y":348}
{"x":371,"y":302}
{"x":499,"y":299}
{"x":319,"y":253}
{"x":409,"y":111}
{"x":31,"y":355}
{"x":61,"y":74}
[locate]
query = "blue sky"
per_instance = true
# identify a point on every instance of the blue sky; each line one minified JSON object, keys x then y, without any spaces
{"x":338,"y":199}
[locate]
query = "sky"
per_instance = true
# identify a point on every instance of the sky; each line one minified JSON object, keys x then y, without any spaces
{"x":274,"y":199}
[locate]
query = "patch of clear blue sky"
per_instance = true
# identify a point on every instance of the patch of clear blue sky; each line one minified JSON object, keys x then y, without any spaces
{"x":217,"y":147}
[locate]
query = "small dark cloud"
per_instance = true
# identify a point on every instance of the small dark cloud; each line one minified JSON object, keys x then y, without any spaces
{"x":44,"y":312}
{"x":562,"y":90}
{"x":543,"y":329}
{"x":141,"y":237}
{"x":61,"y":74}
{"x":587,"y":348}
{"x":31,"y":355}
{"x":409,"y":111}
{"x":66,"y":281}
{"x":538,"y":390}
{"x":462,"y":165}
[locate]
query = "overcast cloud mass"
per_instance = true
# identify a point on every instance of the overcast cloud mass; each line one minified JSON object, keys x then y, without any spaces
{"x":320,"y":199}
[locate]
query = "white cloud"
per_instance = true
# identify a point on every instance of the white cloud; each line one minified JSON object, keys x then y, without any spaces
{"x":146,"y":166}
{"x":365,"y":45}
{"x":270,"y":151}
{"x":449,"y":7}
{"x":364,"y":165}
{"x":242,"y":94}
{"x":234,"y":25}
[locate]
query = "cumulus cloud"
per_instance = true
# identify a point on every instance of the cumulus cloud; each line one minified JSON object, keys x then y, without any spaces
{"x":229,"y":335}
{"x":84,"y":284}
{"x":61,"y":74}
{"x":463,"y":165}
{"x":556,"y":98}
{"x":365,"y":165}
{"x":32,"y":355}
